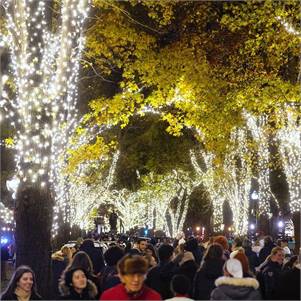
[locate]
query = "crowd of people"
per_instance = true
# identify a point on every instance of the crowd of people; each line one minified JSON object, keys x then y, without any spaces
{"x":184,"y":269}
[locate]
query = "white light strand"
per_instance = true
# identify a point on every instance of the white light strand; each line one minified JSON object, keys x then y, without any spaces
{"x":289,"y":137}
{"x":45,"y":67}
{"x":258,"y":125}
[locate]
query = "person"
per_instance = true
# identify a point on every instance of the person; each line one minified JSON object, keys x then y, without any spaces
{"x":237,"y":244}
{"x":109,"y":274}
{"x":159,"y":277}
{"x":74,"y":285}
{"x":232,"y":286}
{"x":289,"y":264}
{"x":288,"y":283}
{"x":222,"y":240}
{"x":82,"y":260}
{"x":22,"y":286}
{"x":180,"y":287}
{"x":252,"y":256}
{"x":192,"y":246}
{"x":113,"y":221}
{"x":131,"y":270}
{"x":267,"y":248}
{"x":4,"y":261}
{"x":269,"y":272}
{"x":94,"y":253}
{"x":140,"y":247}
{"x":59,"y":261}
{"x":241,"y":256}
{"x":188,"y":267}
{"x":211,"y":268}
{"x":284,"y":246}
{"x":150,"y":251}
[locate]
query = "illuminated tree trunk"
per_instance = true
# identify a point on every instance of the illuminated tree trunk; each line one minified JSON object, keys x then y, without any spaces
{"x":45,"y":63}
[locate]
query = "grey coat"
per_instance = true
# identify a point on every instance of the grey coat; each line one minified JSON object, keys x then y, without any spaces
{"x":228,"y":288}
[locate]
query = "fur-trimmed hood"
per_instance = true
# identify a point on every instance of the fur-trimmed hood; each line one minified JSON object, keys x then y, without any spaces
{"x":90,"y":291}
{"x":248,"y":282}
{"x":236,"y":289}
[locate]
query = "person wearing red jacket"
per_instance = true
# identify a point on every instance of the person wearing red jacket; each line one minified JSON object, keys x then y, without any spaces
{"x":132,"y":270}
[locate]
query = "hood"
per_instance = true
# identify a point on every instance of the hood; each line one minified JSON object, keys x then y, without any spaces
{"x":66,"y":290}
{"x":213,"y":268}
{"x":236,"y":288}
{"x":237,"y":282}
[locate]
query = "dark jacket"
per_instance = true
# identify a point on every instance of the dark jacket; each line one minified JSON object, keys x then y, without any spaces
{"x":265,"y":252}
{"x":159,"y":278}
{"x":228,"y":288}
{"x":252,"y":257}
{"x":268,"y":277}
{"x":108,"y":278}
{"x":288,"y":285}
{"x":68,"y":293}
{"x":58,"y":265}
{"x":188,"y":269}
{"x":13,"y":296}
{"x":95,"y":255}
{"x":204,"y":281}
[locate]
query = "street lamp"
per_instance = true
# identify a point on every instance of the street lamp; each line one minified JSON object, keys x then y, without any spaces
{"x":252,"y":227}
{"x":197,"y":228}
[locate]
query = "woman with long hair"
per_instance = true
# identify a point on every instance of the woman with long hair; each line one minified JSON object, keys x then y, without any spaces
{"x":22,"y":286}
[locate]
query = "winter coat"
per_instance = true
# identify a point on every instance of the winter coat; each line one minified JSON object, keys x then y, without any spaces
{"x":13,"y":296}
{"x":252,"y":257}
{"x":265,"y":252}
{"x":108,"y":278}
{"x":204,"y":281}
{"x":95,"y":255}
{"x":119,"y":292}
{"x":188,"y":269}
{"x":159,"y":278}
{"x":68,"y":293}
{"x":58,"y":265}
{"x":288,"y":285}
{"x":268,"y":277}
{"x":228,"y":288}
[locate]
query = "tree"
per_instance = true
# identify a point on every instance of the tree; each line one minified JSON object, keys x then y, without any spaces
{"x":45,"y":47}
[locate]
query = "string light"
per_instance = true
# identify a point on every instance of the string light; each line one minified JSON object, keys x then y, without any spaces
{"x":258,"y":127}
{"x":289,"y":139}
{"x":45,"y":67}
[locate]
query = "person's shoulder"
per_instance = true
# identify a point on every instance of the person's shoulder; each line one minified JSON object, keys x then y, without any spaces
{"x":151,"y":294}
{"x":112,"y":293}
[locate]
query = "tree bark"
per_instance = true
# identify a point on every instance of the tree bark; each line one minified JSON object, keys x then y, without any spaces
{"x":33,"y":215}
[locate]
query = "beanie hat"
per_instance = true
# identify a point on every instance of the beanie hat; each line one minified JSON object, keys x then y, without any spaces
{"x":234,"y":268}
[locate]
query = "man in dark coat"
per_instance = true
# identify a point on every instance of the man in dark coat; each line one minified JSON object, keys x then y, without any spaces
{"x":159,"y":277}
{"x":267,"y":248}
{"x":94,"y":253}
{"x":288,"y":284}
{"x":270,"y":272}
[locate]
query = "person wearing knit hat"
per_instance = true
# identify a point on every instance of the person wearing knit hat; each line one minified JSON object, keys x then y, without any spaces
{"x":232,"y":286}
{"x":241,"y":256}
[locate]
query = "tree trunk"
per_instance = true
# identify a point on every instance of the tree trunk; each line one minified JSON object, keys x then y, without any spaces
{"x":33,"y":216}
{"x":296,"y":221}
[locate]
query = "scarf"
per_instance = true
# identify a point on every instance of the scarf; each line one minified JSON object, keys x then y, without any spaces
{"x":22,"y":295}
